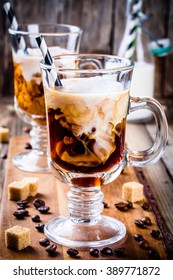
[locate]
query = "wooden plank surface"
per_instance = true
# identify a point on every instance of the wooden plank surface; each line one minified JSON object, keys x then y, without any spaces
{"x":159,"y":176}
{"x":54,"y":194}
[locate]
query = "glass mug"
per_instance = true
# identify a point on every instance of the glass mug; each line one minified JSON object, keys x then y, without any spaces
{"x":29,"y":97}
{"x":86,"y":121}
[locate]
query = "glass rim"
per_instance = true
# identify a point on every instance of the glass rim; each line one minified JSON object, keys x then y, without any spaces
{"x":74,"y":29}
{"x":129,"y":63}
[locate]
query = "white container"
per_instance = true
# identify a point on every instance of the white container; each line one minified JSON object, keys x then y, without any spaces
{"x":142,"y":85}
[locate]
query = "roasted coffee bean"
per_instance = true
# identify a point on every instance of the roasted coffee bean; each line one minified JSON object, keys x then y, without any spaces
{"x":105,"y":204}
{"x":139,"y":224}
{"x":72,"y":252}
{"x":155,"y":233}
{"x":138,"y":237}
{"x":106,"y":251}
{"x":23,"y":203}
{"x":145,"y":206}
{"x":38,"y":202}
{"x":43,"y":209}
{"x":129,"y":205}
{"x":152,"y":253}
{"x":40,"y":227}
{"x":94,"y":252}
{"x":44,"y":242}
{"x":120,"y":206}
{"x":20,"y":207}
{"x":28,"y":146}
{"x":19,"y":215}
{"x":119,"y":251}
{"x":144,"y":244}
{"x":24,"y":212}
{"x":146,"y":221}
{"x":36,"y":218}
{"x":51,"y":249}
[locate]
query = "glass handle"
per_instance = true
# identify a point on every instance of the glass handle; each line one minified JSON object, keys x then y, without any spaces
{"x":152,"y":154}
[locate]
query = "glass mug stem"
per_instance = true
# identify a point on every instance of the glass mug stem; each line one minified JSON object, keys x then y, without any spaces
{"x":85,"y":204}
{"x":152,"y":154}
{"x":39,"y":138}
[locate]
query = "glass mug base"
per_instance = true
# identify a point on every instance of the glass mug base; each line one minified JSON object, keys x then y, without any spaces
{"x":34,"y":161}
{"x":67,"y":231}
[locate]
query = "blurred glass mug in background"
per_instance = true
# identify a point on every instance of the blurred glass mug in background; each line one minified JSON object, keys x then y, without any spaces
{"x":86,"y":130}
{"x":29,"y":97}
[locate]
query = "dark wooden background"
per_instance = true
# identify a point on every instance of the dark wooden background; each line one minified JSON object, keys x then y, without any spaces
{"x":103,"y":24}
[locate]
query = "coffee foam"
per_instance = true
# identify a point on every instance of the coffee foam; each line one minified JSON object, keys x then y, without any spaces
{"x":30,"y":62}
{"x":92,"y":102}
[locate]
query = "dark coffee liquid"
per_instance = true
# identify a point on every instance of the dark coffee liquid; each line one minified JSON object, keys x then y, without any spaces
{"x":65,"y":147}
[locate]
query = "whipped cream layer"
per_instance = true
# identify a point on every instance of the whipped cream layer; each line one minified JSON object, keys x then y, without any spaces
{"x":30,"y":62}
{"x":92,"y":102}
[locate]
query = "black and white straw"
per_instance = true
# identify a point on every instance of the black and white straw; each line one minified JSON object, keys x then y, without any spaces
{"x":133,"y":28}
{"x":14,"y":25}
{"x":48,"y":59}
{"x":133,"y":14}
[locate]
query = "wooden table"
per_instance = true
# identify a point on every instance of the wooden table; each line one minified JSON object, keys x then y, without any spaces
{"x":159,"y":177}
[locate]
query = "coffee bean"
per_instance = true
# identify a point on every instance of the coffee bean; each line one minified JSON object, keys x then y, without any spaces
{"x":152,"y":253}
{"x":129,"y":205}
{"x":24,"y":212}
{"x":106,"y":251}
{"x":43,"y":209}
{"x":155,"y":233}
{"x":38,"y":202}
{"x":139,"y":224}
{"x":51,"y":249}
{"x":145,"y":206}
{"x":72,"y":252}
{"x":28,"y":146}
{"x":20,"y":207}
{"x":23,"y":203}
{"x":120,"y":206}
{"x":146,"y":221}
{"x":44,"y":242}
{"x":19,"y":215}
{"x":138,"y":237}
{"x":40,"y":227}
{"x":144,"y":244}
{"x":119,"y":251}
{"x":94,"y":252}
{"x":36,"y":218}
{"x":105,"y":204}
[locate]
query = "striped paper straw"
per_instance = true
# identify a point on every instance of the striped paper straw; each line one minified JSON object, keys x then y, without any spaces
{"x":14,"y":25}
{"x":133,"y":28}
{"x":48,"y":59}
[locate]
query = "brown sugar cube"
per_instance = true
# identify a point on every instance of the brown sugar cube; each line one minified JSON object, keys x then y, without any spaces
{"x":17,"y":237}
{"x":33,"y":184}
{"x":18,"y":190}
{"x":132,"y":191}
{"x":4,"y":134}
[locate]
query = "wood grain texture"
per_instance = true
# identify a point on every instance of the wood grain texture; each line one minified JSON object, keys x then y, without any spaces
{"x":54,"y":194}
{"x":159,"y":175}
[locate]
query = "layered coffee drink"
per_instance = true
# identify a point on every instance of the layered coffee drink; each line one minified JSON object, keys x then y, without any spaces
{"x":86,"y":123}
{"x":28,"y":88}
